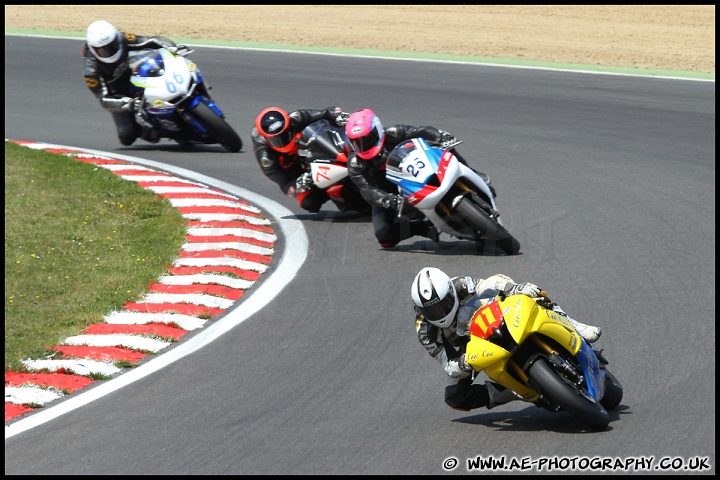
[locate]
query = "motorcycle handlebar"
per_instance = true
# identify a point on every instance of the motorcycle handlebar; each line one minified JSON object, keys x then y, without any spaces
{"x":452,"y":144}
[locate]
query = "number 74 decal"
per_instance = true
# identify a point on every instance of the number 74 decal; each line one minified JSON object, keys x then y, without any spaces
{"x":321,"y":172}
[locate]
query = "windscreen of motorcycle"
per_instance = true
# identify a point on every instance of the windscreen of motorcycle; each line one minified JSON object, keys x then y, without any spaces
{"x":320,"y":140}
{"x":146,"y":63}
{"x":478,"y":317}
{"x":413,"y":165}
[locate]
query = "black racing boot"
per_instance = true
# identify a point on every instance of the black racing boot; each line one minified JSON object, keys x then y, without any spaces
{"x":499,"y":397}
{"x":127,"y":141}
{"x":430,"y":231}
{"x":150,"y":135}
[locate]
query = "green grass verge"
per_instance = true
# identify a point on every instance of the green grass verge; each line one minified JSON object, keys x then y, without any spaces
{"x":80,"y":242}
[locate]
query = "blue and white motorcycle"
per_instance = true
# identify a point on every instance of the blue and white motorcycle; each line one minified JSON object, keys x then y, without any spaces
{"x":175,"y":100}
{"x":451,"y":195}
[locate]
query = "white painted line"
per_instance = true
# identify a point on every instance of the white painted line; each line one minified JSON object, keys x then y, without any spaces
{"x":30,"y":394}
{"x":79,"y":366}
{"x":204,"y":202}
{"x":124,"y":317}
{"x":115,"y":167}
{"x":192,"y":190}
{"x":220,"y":261}
{"x":206,"y":279}
{"x":239,"y":246}
{"x":153,"y":178}
{"x":193,"y":298}
{"x":135,"y":342}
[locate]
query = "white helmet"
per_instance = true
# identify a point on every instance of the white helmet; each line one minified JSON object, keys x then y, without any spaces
{"x":104,"y":41}
{"x":435,"y":297}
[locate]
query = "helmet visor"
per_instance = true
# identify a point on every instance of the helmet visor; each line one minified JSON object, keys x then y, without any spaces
{"x":440,"y":309}
{"x":107,"y":51}
{"x":280,"y":140}
{"x":366,"y":142}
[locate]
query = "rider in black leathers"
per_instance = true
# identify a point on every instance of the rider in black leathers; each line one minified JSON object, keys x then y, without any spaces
{"x":107,"y":75}
{"x":371,"y":145}
{"x":275,"y":136}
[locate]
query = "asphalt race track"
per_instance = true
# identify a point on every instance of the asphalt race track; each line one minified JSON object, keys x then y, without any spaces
{"x":608,"y":181}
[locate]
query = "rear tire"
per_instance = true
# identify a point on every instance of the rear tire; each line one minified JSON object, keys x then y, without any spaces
{"x":557,"y":390}
{"x":491,"y":233}
{"x":218,"y":128}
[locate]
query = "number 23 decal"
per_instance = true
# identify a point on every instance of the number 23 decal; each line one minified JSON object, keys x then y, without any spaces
{"x":414,"y":169}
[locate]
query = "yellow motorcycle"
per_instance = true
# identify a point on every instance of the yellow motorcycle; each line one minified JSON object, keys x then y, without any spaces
{"x":522,"y":344}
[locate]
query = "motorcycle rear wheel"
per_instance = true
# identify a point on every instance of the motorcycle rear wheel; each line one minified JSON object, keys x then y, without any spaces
{"x":490,"y":232}
{"x":559,"y":391}
{"x":218,"y":128}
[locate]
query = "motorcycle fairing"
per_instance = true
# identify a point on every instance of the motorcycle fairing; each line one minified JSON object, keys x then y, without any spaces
{"x":523,"y":317}
{"x":149,"y":69}
{"x":594,"y":376}
{"x":325,"y":174}
{"x":417,"y":169}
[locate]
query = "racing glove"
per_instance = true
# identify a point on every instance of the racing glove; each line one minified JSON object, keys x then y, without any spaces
{"x":525,"y":288}
{"x":455,"y":368}
{"x":180,"y":50}
{"x":304,"y":182}
{"x":462,"y":363}
{"x":392,"y":202}
{"x":446,"y":139}
{"x":336,"y":115}
{"x":342,"y":119}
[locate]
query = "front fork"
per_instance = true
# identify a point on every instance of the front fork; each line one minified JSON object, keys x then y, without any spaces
{"x":558,"y":362}
{"x":460,"y":190}
{"x":519,"y":372}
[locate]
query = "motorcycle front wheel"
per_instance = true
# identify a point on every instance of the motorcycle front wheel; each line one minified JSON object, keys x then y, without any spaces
{"x":613,"y":391}
{"x":567,"y":396}
{"x":218,"y":128}
{"x":490,"y":233}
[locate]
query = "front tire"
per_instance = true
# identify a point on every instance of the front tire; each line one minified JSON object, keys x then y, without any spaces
{"x":218,"y":128}
{"x":568,"y":397}
{"x":613,"y":392}
{"x":490,"y":232}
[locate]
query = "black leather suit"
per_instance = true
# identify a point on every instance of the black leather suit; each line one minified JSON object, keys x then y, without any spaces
{"x":284,"y":168}
{"x":369,"y":177}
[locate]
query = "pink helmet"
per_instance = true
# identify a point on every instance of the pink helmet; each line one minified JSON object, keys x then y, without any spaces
{"x":365,"y":133}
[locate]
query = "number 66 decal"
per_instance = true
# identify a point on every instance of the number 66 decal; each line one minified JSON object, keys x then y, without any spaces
{"x":171,"y":87}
